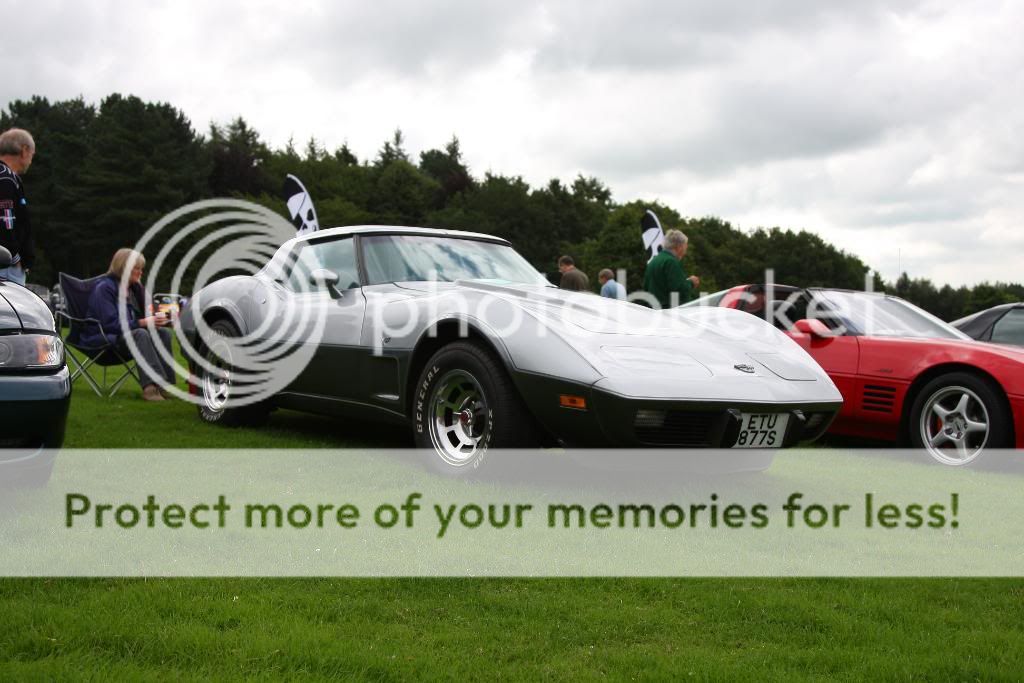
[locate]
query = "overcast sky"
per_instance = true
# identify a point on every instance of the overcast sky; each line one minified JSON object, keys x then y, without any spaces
{"x":895,"y":130}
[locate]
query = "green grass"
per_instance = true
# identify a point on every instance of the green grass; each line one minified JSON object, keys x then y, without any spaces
{"x":126,"y":421}
{"x":174,"y":629}
{"x":521,"y":629}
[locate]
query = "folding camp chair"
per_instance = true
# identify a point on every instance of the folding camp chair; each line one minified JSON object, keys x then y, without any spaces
{"x":76,"y":302}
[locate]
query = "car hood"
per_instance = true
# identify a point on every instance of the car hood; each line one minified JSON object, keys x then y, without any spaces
{"x":584,"y":310}
{"x":20,"y":309}
{"x":592,"y":313}
{"x":705,"y":352}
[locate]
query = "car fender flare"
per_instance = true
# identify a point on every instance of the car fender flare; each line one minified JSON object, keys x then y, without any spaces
{"x":219,"y":309}
{"x":448,"y":329}
{"x":444,"y":331}
{"x":225,"y":308}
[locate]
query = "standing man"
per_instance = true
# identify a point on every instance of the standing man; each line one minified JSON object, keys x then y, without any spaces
{"x":665,"y":278}
{"x":609,"y":287}
{"x":572,"y":279}
{"x":16,"y":151}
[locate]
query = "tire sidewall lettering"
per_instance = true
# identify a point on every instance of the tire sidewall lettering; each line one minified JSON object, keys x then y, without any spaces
{"x":485,"y":443}
{"x":422,"y":397}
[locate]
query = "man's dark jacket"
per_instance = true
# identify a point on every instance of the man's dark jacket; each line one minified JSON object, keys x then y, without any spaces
{"x":15,"y":226}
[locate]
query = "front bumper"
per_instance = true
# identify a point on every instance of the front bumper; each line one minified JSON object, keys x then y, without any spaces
{"x":620,"y":421}
{"x":34,"y":412}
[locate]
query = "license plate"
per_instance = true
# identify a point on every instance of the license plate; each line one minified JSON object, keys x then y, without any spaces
{"x":762,"y":430}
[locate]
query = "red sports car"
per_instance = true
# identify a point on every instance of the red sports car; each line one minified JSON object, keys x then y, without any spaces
{"x":905,"y":375}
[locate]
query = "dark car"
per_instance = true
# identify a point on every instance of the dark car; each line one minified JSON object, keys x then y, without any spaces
{"x":35,"y":387}
{"x":1000,"y":324}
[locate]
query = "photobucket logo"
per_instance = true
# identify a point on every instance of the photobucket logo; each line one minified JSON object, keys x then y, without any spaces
{"x":240,"y":342}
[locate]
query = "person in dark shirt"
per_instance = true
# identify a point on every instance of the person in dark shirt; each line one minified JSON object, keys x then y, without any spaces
{"x":665,"y":278}
{"x":17,"y":148}
{"x":573,"y":279}
{"x":105,"y":305}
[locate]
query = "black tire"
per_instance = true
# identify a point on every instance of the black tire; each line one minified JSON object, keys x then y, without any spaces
{"x":492,"y":413}
{"x":981,"y":401}
{"x":213,"y":410}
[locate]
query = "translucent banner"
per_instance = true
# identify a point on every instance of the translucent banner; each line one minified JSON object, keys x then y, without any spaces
{"x":820,"y":512}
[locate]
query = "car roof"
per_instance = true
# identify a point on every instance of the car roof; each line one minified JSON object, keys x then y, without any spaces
{"x":1004,"y":307}
{"x":395,"y":230}
{"x":986,"y":316}
{"x":793,"y":288}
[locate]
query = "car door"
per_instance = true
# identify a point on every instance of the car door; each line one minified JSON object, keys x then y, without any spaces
{"x":336,"y":368}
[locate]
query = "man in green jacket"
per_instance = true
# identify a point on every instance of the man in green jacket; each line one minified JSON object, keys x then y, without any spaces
{"x":665,"y":278}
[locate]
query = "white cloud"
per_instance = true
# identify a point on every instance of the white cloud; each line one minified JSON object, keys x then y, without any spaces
{"x":891,"y":129}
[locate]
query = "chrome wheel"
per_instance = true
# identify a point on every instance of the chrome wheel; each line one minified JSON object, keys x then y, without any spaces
{"x":459,"y":417}
{"x":954,"y":425}
{"x":217,"y":384}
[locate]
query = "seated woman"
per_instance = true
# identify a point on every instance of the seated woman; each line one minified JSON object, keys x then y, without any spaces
{"x":103,"y":306}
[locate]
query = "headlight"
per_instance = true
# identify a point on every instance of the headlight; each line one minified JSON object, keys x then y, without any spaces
{"x":31,"y":352}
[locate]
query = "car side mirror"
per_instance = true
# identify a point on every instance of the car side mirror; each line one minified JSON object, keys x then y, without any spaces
{"x":812,"y":328}
{"x":322,"y":277}
{"x":5,"y":257}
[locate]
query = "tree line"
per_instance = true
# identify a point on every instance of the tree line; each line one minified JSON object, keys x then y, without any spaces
{"x":105,"y":173}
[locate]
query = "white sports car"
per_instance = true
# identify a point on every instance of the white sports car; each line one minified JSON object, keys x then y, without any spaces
{"x":455,"y":335}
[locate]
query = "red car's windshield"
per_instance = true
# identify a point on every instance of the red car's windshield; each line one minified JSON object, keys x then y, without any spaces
{"x":876,"y":315}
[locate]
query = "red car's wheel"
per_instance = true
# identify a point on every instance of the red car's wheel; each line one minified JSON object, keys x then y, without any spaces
{"x":957,"y":416}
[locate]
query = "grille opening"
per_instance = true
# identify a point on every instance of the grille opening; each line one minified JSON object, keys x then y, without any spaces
{"x":674,"y":427}
{"x":816,"y":425}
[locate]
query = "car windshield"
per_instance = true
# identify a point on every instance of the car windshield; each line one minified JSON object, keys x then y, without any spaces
{"x":412,"y":258}
{"x":877,"y":315}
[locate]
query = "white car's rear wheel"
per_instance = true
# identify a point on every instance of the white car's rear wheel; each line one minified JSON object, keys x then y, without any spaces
{"x":216,"y":384}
